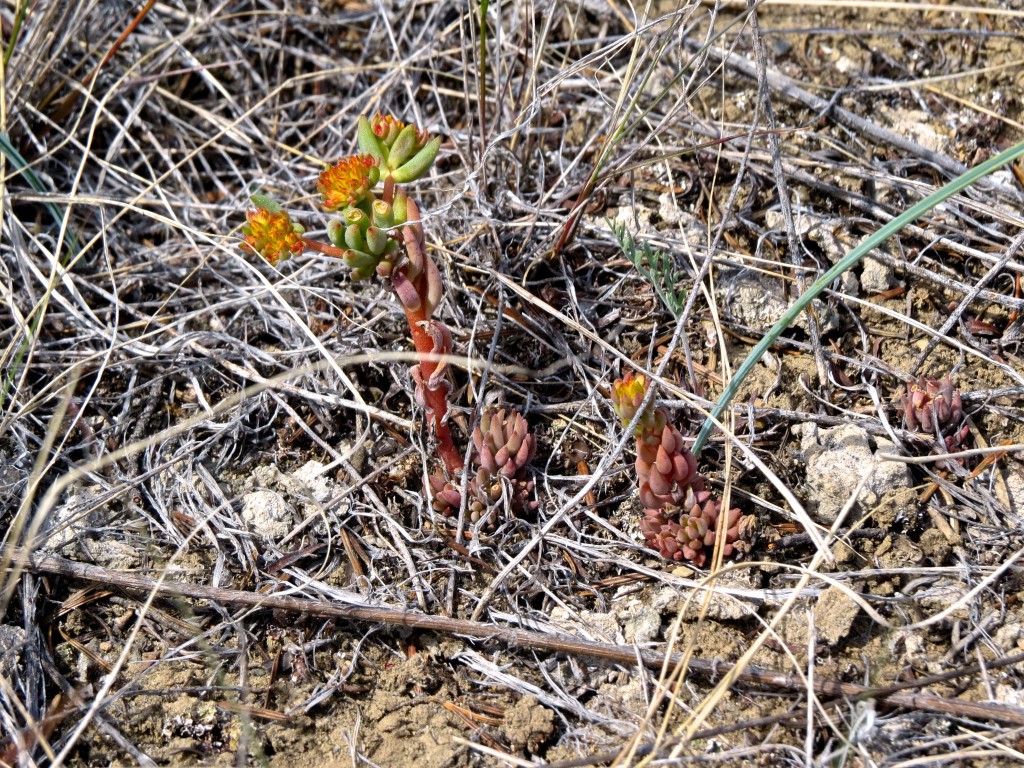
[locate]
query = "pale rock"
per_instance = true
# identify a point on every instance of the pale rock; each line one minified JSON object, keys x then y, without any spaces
{"x":837,"y":459}
{"x":1009,"y":694}
{"x":721,"y":606}
{"x":1009,"y":638}
{"x":640,"y":622}
{"x":941,"y":596}
{"x":834,"y":614}
{"x":875,"y":276}
{"x":267,"y":514}
{"x":1015,"y":492}
{"x":917,"y":126}
{"x":590,"y":625}
{"x":757,"y":301}
{"x":309,"y":481}
{"x":113,"y":554}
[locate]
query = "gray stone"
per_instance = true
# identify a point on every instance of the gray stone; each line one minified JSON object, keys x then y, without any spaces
{"x":757,"y":301}
{"x":837,"y":459}
{"x":267,"y":514}
{"x":834,"y":614}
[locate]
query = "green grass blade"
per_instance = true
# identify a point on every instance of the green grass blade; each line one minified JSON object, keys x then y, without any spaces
{"x":19,"y":17}
{"x":19,"y":162}
{"x":36,"y":183}
{"x":873,"y":241}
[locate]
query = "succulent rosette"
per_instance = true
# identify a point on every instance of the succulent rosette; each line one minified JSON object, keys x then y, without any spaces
{"x":935,"y":406}
{"x":932,"y":405}
{"x":404,"y":152}
{"x":503,"y":449}
{"x":503,"y":442}
{"x":694,"y":535}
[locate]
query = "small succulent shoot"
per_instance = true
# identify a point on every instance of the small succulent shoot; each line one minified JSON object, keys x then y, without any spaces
{"x":935,"y":406}
{"x":628,"y":394}
{"x":365,"y":244}
{"x":503,"y":449}
{"x":404,"y":152}
{"x":270,"y":232}
{"x":503,"y":442}
{"x":680,"y":516}
{"x":932,"y":405}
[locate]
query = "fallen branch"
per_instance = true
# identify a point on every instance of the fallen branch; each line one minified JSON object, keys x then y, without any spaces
{"x":890,"y":696}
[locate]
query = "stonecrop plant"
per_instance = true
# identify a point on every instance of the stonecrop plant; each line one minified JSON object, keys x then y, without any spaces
{"x":503,"y":448}
{"x":379,"y":233}
{"x":682,"y":521}
{"x":935,"y":407}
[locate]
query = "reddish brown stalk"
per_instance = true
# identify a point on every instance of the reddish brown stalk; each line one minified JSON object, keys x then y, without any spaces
{"x":896,"y":695}
{"x":325,"y":248}
{"x":435,"y":399}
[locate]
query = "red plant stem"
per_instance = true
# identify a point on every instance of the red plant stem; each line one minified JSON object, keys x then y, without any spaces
{"x":325,"y":248}
{"x":436,"y":400}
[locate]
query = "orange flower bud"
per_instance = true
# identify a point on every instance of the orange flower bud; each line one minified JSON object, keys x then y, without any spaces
{"x":269,"y":232}
{"x":627,"y":395}
{"x":348,"y":182}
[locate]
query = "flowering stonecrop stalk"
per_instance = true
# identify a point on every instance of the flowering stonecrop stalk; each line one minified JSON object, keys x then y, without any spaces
{"x":681,"y":520}
{"x":378,"y":236}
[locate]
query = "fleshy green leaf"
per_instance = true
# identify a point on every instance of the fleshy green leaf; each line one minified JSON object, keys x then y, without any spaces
{"x":368,"y":141}
{"x":419,"y":163}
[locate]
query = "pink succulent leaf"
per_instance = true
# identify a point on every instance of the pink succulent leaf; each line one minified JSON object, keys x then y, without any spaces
{"x":501,"y":459}
{"x":487,"y":460}
{"x":405,"y":291}
{"x":524,"y":454}
{"x":663,"y":462}
{"x":496,"y":432}
{"x":659,"y":484}
{"x":643,"y":468}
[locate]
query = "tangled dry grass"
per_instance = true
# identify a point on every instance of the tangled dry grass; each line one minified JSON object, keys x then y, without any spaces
{"x":236,"y":453}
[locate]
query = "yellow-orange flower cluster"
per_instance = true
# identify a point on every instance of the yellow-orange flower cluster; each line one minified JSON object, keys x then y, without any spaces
{"x":348,"y":182}
{"x":271,"y":234}
{"x":627,"y":395}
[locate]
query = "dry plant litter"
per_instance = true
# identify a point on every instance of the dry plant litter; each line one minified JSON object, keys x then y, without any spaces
{"x":221,"y":539}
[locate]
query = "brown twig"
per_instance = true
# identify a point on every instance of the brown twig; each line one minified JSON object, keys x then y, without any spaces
{"x":65,"y":107}
{"x":891,"y":696}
